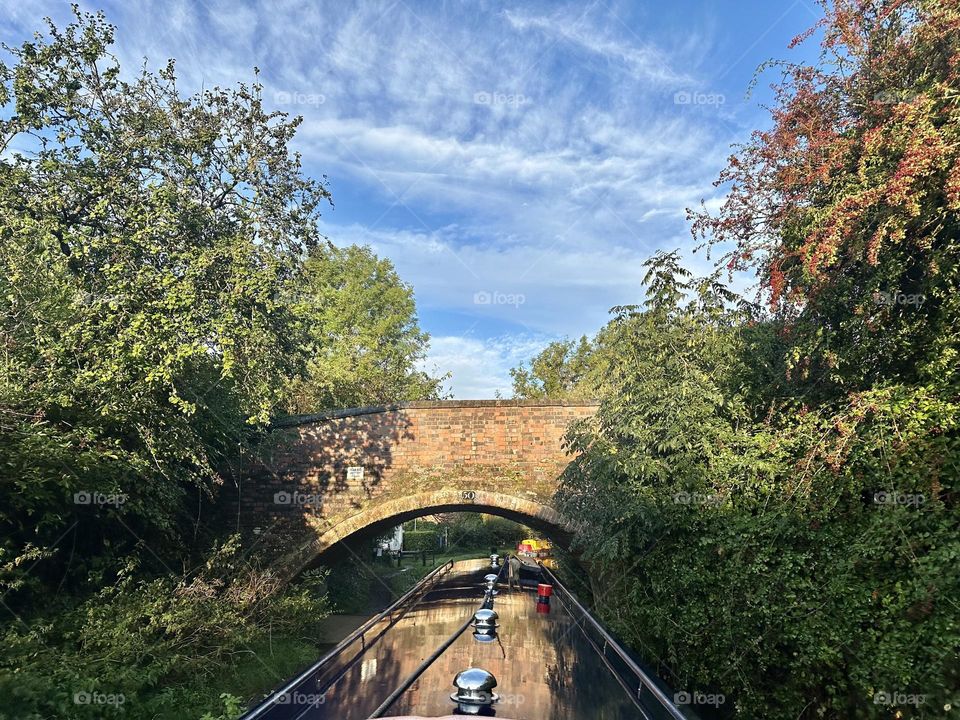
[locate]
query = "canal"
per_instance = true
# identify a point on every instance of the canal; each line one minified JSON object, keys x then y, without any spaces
{"x":545,"y":666}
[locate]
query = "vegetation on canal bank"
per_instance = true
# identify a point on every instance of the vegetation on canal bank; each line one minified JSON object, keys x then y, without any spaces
{"x":362,"y":583}
{"x":164,"y":291}
{"x":364,"y":589}
{"x":769,"y":492}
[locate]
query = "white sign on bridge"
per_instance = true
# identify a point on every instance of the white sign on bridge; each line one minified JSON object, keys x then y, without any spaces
{"x":355,"y":472}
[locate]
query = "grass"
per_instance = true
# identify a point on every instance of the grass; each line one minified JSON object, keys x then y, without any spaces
{"x":418,"y":571}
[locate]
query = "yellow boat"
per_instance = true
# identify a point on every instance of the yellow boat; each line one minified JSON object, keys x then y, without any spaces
{"x":537,"y":549}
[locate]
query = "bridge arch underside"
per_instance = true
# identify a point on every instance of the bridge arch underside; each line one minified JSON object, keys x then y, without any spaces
{"x":382,"y":517}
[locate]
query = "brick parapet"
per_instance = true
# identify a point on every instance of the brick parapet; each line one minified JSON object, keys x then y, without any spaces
{"x":503,"y":448}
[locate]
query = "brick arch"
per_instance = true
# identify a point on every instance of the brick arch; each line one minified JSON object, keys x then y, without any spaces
{"x":317,"y":479}
{"x":393,"y":512}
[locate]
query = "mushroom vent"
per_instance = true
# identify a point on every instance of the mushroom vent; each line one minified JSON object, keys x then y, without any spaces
{"x":485,"y":625}
{"x":474,"y":690}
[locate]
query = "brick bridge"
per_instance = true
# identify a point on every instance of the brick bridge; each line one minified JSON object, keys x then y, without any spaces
{"x":321,"y":478}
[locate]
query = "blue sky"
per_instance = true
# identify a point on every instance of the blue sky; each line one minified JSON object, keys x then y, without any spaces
{"x":517,"y":161}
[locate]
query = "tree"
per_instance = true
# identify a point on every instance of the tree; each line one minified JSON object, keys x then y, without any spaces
{"x":676,"y":408}
{"x":848,"y":205}
{"x":797,"y":559}
{"x":148,"y":243}
{"x":152,"y":250}
{"x":560,"y":370}
{"x":362,"y":337}
{"x":793,"y":531}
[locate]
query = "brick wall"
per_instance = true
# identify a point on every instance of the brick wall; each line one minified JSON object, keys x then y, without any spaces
{"x":448,"y":449}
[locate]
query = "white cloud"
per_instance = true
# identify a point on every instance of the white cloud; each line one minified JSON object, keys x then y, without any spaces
{"x":645,"y":61}
{"x":480,"y":368}
{"x":557,"y":195}
{"x":542,"y":291}
{"x":541,"y":193}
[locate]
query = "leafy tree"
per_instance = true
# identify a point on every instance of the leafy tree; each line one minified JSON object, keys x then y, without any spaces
{"x":560,"y":370}
{"x":783,"y":486}
{"x":472,"y":531}
{"x":741,"y":544}
{"x":154,"y":252}
{"x":848,"y":205}
{"x":362,"y":337}
{"x":677,"y":398}
{"x":148,"y":242}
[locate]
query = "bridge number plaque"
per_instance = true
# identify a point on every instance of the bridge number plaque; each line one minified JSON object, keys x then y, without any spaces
{"x":355,"y":472}
{"x":468,"y":495}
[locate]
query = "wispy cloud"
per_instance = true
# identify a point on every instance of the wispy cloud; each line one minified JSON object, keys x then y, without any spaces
{"x":643,"y":60}
{"x":512,"y":285}
{"x":538,"y":150}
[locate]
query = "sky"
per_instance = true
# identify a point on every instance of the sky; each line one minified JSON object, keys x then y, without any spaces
{"x":516,"y":161}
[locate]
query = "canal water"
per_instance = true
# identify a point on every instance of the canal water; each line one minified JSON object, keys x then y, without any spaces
{"x":545,"y":668}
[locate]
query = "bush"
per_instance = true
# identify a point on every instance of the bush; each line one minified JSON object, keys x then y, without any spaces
{"x":421,"y":540}
{"x":501,"y":531}
{"x":419,"y":524}
{"x":472,"y":530}
{"x":138,"y":639}
{"x":798,"y":558}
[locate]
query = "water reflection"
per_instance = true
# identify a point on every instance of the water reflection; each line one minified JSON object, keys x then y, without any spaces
{"x":543,"y":665}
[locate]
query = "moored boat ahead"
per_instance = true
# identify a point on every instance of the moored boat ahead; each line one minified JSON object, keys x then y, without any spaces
{"x":536,"y":549}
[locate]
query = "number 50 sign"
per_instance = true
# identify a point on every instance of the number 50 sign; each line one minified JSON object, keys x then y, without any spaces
{"x":468,"y":495}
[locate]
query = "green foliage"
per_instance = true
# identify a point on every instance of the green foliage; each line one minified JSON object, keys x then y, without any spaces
{"x":473,"y":530}
{"x":139,"y":641}
{"x":354,"y":587}
{"x":421,"y":540}
{"x":761,"y":563}
{"x":363,"y":340}
{"x":148,"y":242}
{"x":162,"y":288}
{"x":502,"y":532}
{"x":783,"y":488}
{"x":420,"y":524}
{"x":561,"y":370}
{"x":849,"y":204}
{"x":232,"y":708}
